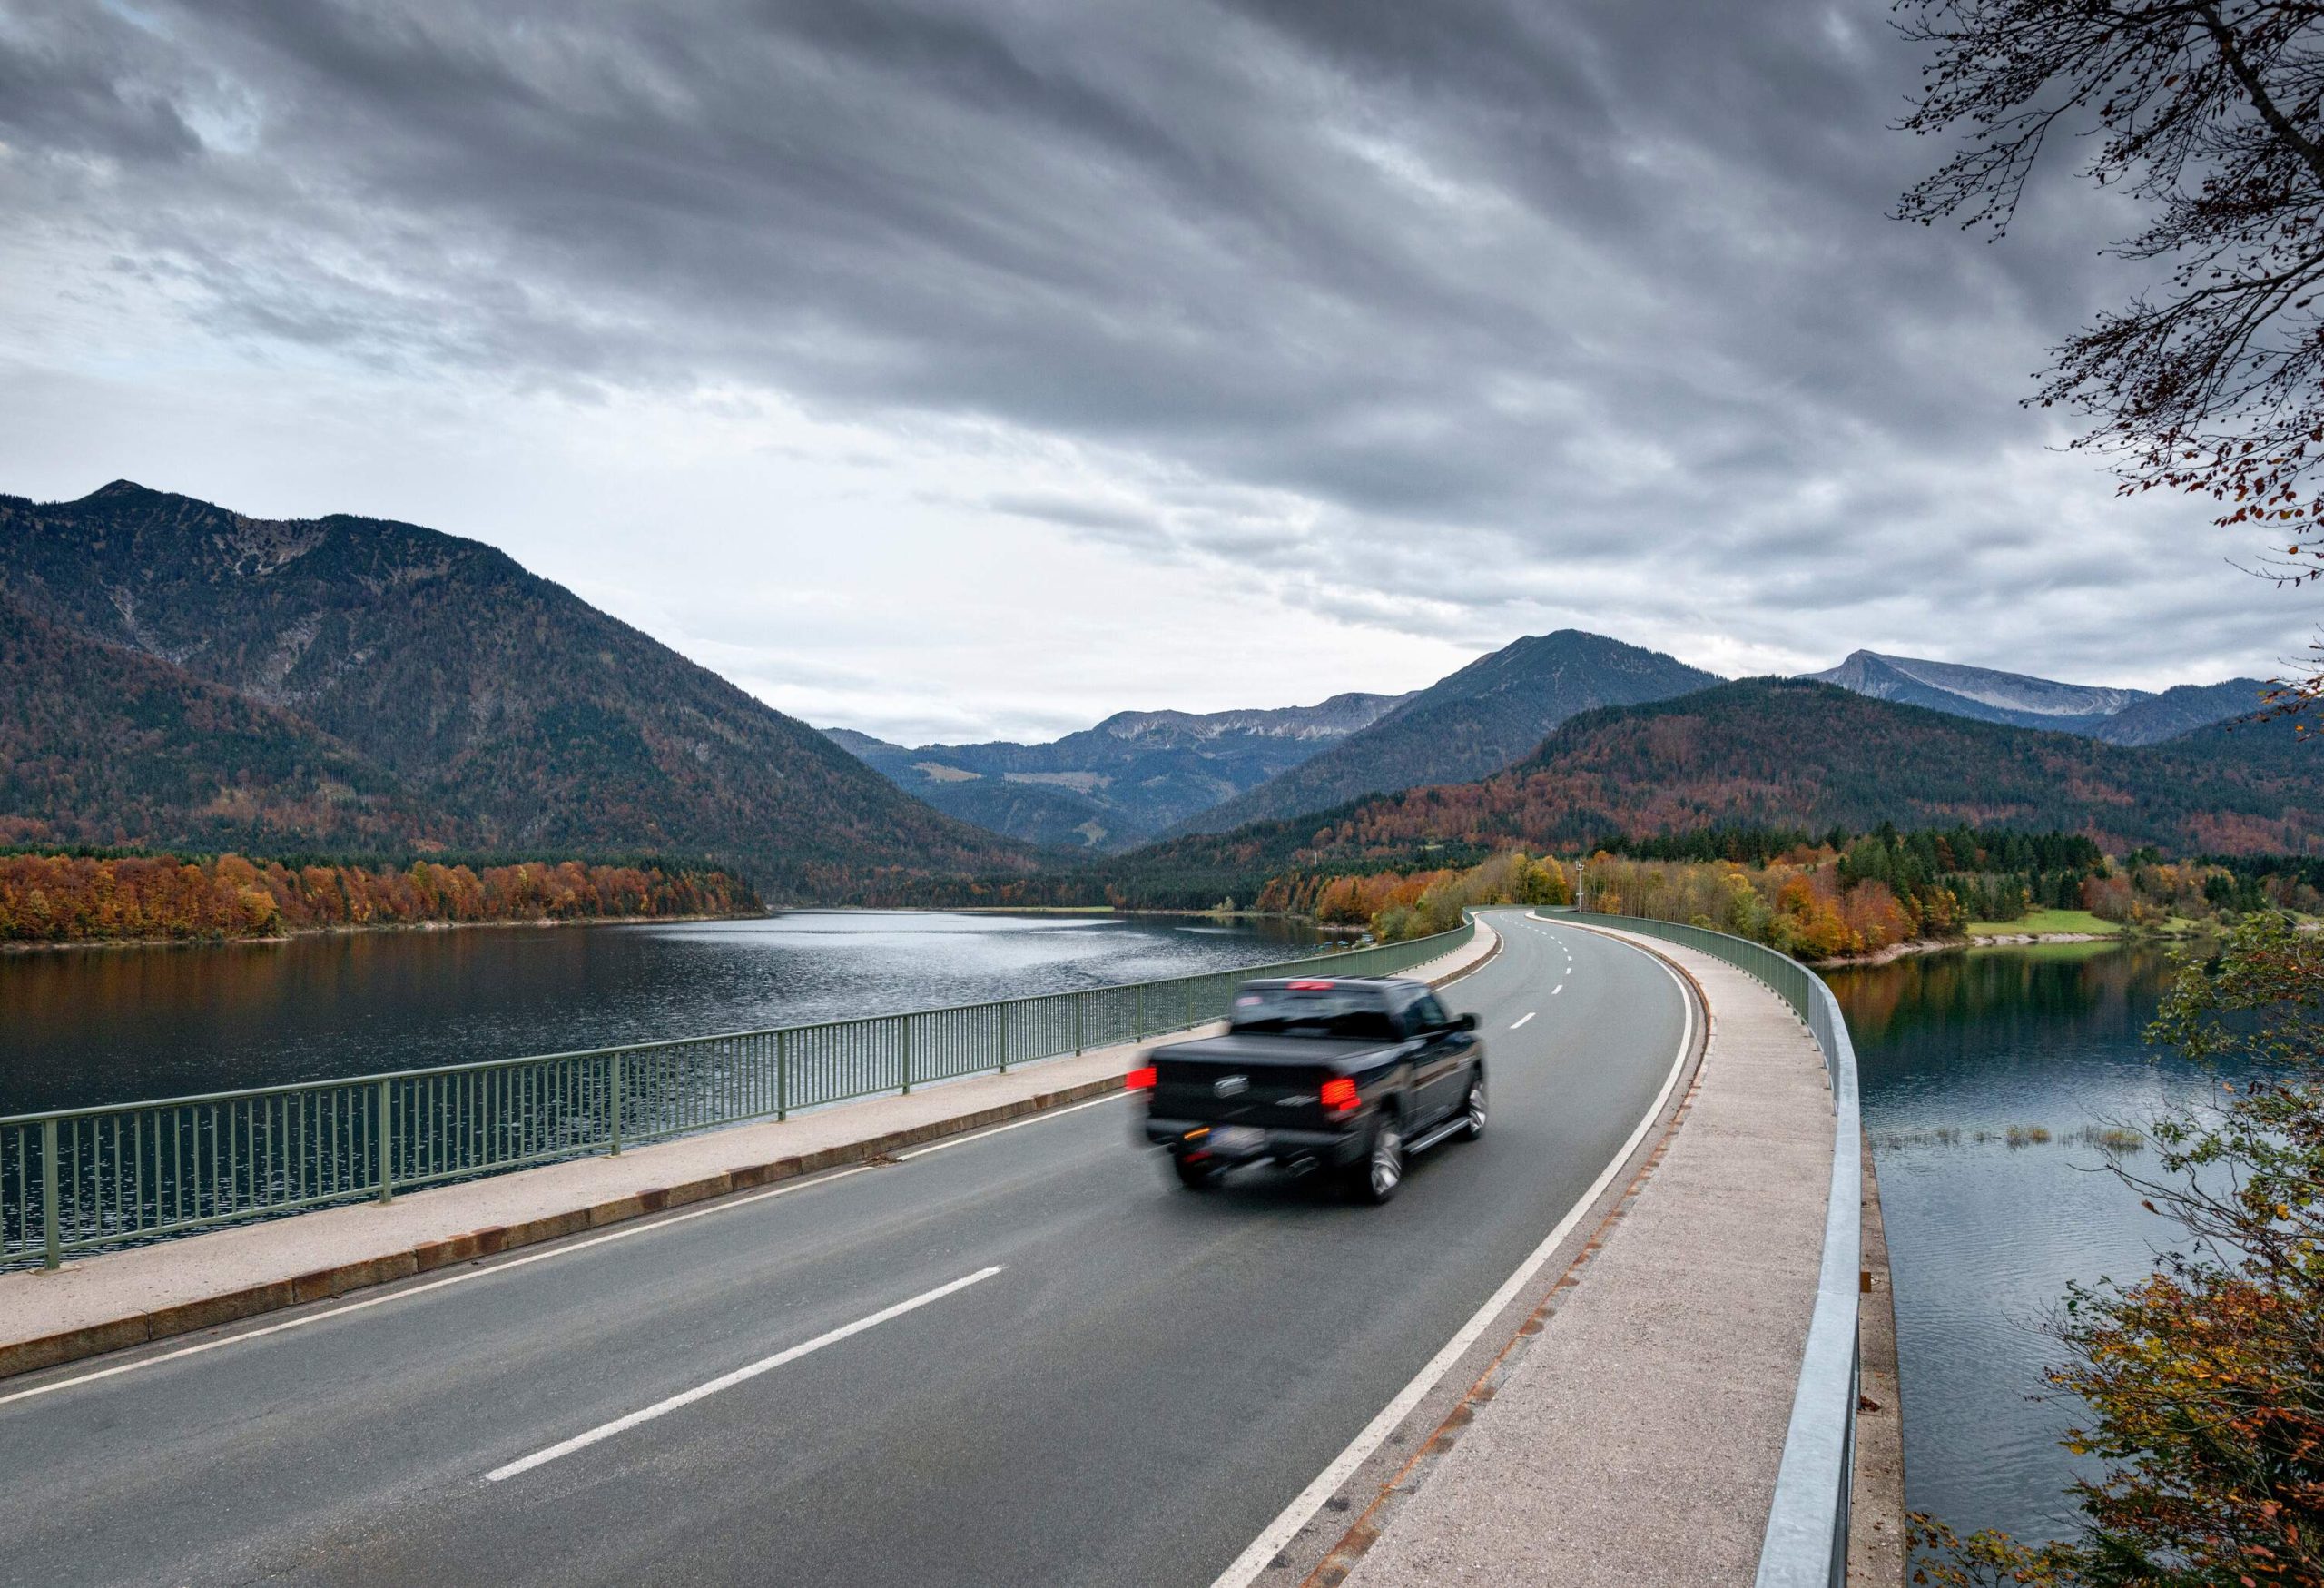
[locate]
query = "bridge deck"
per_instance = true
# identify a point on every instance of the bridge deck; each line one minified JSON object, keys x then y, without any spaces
{"x":1637,"y":1438}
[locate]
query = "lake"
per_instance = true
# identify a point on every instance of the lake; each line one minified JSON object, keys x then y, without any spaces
{"x":106,"y":1025}
{"x":1956,"y":1051}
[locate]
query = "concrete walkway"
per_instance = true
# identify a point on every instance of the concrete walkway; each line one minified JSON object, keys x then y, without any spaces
{"x":1636,"y":1438}
{"x":124,"y":1298}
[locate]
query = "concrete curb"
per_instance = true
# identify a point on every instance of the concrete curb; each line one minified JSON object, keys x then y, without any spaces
{"x":323,"y":1284}
{"x":1876,"y":1544}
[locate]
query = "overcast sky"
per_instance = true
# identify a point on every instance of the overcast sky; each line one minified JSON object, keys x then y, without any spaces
{"x":982,"y":366}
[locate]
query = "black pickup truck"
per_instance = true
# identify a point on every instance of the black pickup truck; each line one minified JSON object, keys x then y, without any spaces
{"x":1350,"y":1075}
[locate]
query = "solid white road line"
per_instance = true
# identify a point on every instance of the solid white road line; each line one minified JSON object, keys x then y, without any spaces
{"x":963,"y":1140}
{"x":729,"y":1380}
{"x":1296,"y":1515}
{"x":1522,"y":1019}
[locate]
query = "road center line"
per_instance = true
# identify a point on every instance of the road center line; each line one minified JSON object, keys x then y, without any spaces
{"x":1529,"y":1014}
{"x":1556,"y":989}
{"x":1302,"y":1510}
{"x":729,"y":1380}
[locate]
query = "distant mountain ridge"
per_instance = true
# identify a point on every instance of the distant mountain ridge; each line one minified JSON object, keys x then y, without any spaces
{"x":2181,"y":710}
{"x":465,"y":698}
{"x":2119,"y":716}
{"x":1468,"y":724}
{"x":1773,"y":752}
{"x":1121,"y":782}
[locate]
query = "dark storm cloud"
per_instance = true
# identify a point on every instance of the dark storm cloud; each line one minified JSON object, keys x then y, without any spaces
{"x":1583,"y":287}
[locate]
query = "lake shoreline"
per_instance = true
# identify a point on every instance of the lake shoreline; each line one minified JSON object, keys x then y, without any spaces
{"x":365,"y":929}
{"x":1937,"y":945}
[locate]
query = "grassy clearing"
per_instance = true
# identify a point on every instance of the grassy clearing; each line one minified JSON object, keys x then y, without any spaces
{"x":2047,"y":920}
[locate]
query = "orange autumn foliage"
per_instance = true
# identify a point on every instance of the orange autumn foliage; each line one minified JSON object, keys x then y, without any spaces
{"x":65,"y":898}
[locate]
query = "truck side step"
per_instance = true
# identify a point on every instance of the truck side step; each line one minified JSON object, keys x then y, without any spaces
{"x":1438,"y":1134}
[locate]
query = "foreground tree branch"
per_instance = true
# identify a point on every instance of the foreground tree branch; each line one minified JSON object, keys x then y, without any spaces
{"x":2211,"y":113}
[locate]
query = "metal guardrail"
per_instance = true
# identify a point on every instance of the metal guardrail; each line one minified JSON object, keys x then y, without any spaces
{"x":1807,"y":1539}
{"x":79,"y":1180}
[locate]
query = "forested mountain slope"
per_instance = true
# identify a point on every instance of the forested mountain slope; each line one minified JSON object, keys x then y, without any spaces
{"x":1469,"y":725}
{"x":105,"y":746}
{"x":2185,"y":709}
{"x":521,"y":716}
{"x":1793,"y":753}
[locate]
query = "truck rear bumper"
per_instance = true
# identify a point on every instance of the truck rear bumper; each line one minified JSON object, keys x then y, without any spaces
{"x":1249,"y":1144}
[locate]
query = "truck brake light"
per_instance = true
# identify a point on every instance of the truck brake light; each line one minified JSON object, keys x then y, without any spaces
{"x":1308,"y":986}
{"x":1338,"y":1096}
{"x":1139,"y":1079}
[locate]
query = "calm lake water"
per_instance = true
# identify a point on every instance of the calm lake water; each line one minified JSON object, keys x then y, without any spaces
{"x":115,"y":1025}
{"x":1983,"y":1237}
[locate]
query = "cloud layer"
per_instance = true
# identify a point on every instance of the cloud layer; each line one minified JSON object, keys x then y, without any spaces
{"x":1351,"y":337}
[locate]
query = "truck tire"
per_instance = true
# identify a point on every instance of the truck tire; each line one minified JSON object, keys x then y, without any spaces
{"x":1472,"y":1112}
{"x":1196,"y":1174}
{"x":1373,"y":1178}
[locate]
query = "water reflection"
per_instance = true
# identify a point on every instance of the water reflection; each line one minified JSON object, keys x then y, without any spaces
{"x":109,"y":1025}
{"x":1983,"y":1234}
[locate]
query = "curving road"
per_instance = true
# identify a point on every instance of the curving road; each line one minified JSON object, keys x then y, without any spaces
{"x":1147,"y":1380}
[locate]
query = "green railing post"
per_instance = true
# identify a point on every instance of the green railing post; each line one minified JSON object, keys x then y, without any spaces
{"x":613,"y":1094}
{"x":387,"y":1150}
{"x":1136,"y":1010}
{"x":1004,"y":1039}
{"x":783,"y":1075}
{"x":907,"y":1055}
{"x":51,"y":1243}
{"x":1077,"y":1021}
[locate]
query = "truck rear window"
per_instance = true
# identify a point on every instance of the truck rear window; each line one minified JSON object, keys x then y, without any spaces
{"x":1334,"y":1012}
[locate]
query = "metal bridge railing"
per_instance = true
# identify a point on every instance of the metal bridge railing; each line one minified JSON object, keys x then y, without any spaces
{"x":1806,"y":1541}
{"x":80,"y":1179}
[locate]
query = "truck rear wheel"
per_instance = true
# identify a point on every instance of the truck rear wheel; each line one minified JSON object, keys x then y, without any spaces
{"x":1373,"y":1178}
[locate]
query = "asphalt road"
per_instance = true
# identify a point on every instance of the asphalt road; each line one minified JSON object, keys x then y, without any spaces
{"x":1136,"y":1392}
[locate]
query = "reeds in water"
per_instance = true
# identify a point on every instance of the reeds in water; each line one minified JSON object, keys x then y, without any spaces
{"x":2110,"y":1138}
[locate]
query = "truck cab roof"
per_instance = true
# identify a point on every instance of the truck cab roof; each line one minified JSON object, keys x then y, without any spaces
{"x":1341,"y":1008}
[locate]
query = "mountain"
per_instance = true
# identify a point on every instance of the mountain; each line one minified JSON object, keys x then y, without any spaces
{"x":2182,"y":710}
{"x":2119,"y":716}
{"x":1796,"y":753}
{"x":105,"y":746}
{"x":484,"y":704}
{"x":1490,"y":713}
{"x":1121,"y":782}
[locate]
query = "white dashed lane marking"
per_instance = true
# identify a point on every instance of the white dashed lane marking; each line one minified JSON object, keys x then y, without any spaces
{"x":1522,"y":1019}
